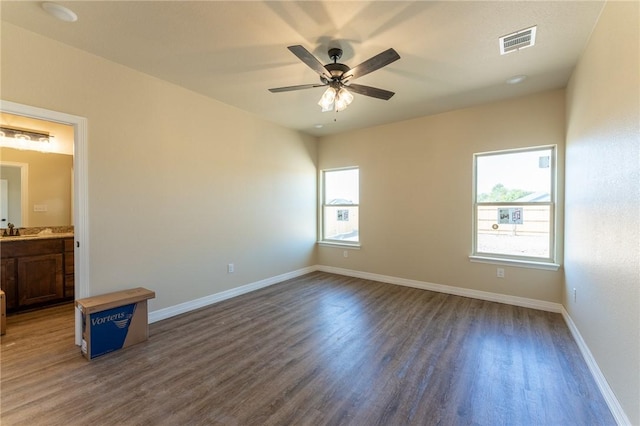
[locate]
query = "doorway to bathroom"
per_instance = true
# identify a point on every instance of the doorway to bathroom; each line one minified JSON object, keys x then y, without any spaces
{"x":78,"y":193}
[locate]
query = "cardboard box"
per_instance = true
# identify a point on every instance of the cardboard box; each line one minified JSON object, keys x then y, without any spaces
{"x":3,"y":313}
{"x":114,"y":321}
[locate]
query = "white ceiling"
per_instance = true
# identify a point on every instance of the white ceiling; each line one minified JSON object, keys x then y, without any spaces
{"x":234,"y":51}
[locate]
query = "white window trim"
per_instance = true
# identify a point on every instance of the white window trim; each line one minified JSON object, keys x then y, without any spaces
{"x":328,"y":242}
{"x":520,"y":261}
{"x":341,"y":244}
{"x":549,"y":266}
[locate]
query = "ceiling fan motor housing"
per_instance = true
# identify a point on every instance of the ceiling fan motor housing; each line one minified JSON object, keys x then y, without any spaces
{"x":336,"y":70}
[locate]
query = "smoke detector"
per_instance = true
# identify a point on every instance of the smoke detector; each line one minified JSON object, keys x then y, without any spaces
{"x":60,"y":12}
{"x":518,"y":40}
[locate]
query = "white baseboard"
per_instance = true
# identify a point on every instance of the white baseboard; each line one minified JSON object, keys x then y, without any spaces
{"x":440,"y":288}
{"x":191,"y":305}
{"x":606,"y":391}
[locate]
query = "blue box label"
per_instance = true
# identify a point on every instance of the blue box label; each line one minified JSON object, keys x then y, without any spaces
{"x":108,"y":329}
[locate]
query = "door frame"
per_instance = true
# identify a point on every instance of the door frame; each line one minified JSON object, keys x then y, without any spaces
{"x":80,"y":194}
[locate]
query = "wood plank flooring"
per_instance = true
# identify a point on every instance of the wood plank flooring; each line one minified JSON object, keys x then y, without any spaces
{"x":321,"y":349}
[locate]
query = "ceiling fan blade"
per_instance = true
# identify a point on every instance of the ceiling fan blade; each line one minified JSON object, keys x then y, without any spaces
{"x":312,"y":62}
{"x":374,"y":92}
{"x":291,"y":88}
{"x":372,"y":64}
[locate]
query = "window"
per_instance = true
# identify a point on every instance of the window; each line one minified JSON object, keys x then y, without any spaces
{"x":340,"y":205}
{"x":514,"y":205}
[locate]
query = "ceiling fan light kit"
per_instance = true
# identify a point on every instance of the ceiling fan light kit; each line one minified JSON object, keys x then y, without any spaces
{"x":339,"y":77}
{"x":327,"y":99}
{"x":332,"y":100}
{"x":343,"y":99}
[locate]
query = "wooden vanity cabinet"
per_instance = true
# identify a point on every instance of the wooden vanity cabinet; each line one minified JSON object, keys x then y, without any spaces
{"x":40,"y":279}
{"x":35,"y":272}
{"x":69,"y":268}
{"x":8,"y":282}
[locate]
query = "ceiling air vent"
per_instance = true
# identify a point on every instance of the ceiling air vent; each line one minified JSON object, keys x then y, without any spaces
{"x":518,"y":40}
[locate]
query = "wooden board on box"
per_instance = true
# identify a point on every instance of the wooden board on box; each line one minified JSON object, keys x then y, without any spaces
{"x":103,"y":302}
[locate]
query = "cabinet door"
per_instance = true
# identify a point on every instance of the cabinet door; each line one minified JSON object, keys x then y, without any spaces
{"x":40,"y":279}
{"x":8,"y":282}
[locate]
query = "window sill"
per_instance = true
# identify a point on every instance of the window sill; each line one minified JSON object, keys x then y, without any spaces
{"x":548,"y":266}
{"x":354,"y":246}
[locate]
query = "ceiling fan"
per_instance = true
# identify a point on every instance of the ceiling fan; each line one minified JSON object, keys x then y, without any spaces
{"x":338,"y":77}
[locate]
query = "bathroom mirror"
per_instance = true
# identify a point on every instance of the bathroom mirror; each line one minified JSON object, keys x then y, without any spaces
{"x":36,"y":177}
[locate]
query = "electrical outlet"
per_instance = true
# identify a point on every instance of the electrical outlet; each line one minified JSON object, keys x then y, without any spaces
{"x":345,"y":253}
{"x":231,"y":268}
{"x":575,"y":294}
{"x":500,"y":273}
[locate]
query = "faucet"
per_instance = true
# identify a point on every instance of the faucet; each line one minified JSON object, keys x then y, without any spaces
{"x":10,"y":227}
{"x":11,"y":232}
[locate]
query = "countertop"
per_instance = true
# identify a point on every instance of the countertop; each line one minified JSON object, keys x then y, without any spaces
{"x":37,"y":237}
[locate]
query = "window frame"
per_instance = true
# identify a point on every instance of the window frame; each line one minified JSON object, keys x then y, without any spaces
{"x":549,"y":262}
{"x":322,"y":208}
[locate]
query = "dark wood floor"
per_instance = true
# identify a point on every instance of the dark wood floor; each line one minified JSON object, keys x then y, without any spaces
{"x":317,"y":350}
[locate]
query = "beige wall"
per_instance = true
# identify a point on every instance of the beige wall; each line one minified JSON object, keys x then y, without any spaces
{"x":179,"y":184}
{"x":49,"y":183}
{"x":602,"y":248}
{"x":415,"y":193}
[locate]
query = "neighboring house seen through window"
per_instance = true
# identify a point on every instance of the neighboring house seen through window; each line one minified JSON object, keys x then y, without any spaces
{"x":514,"y":204}
{"x":340,"y":205}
